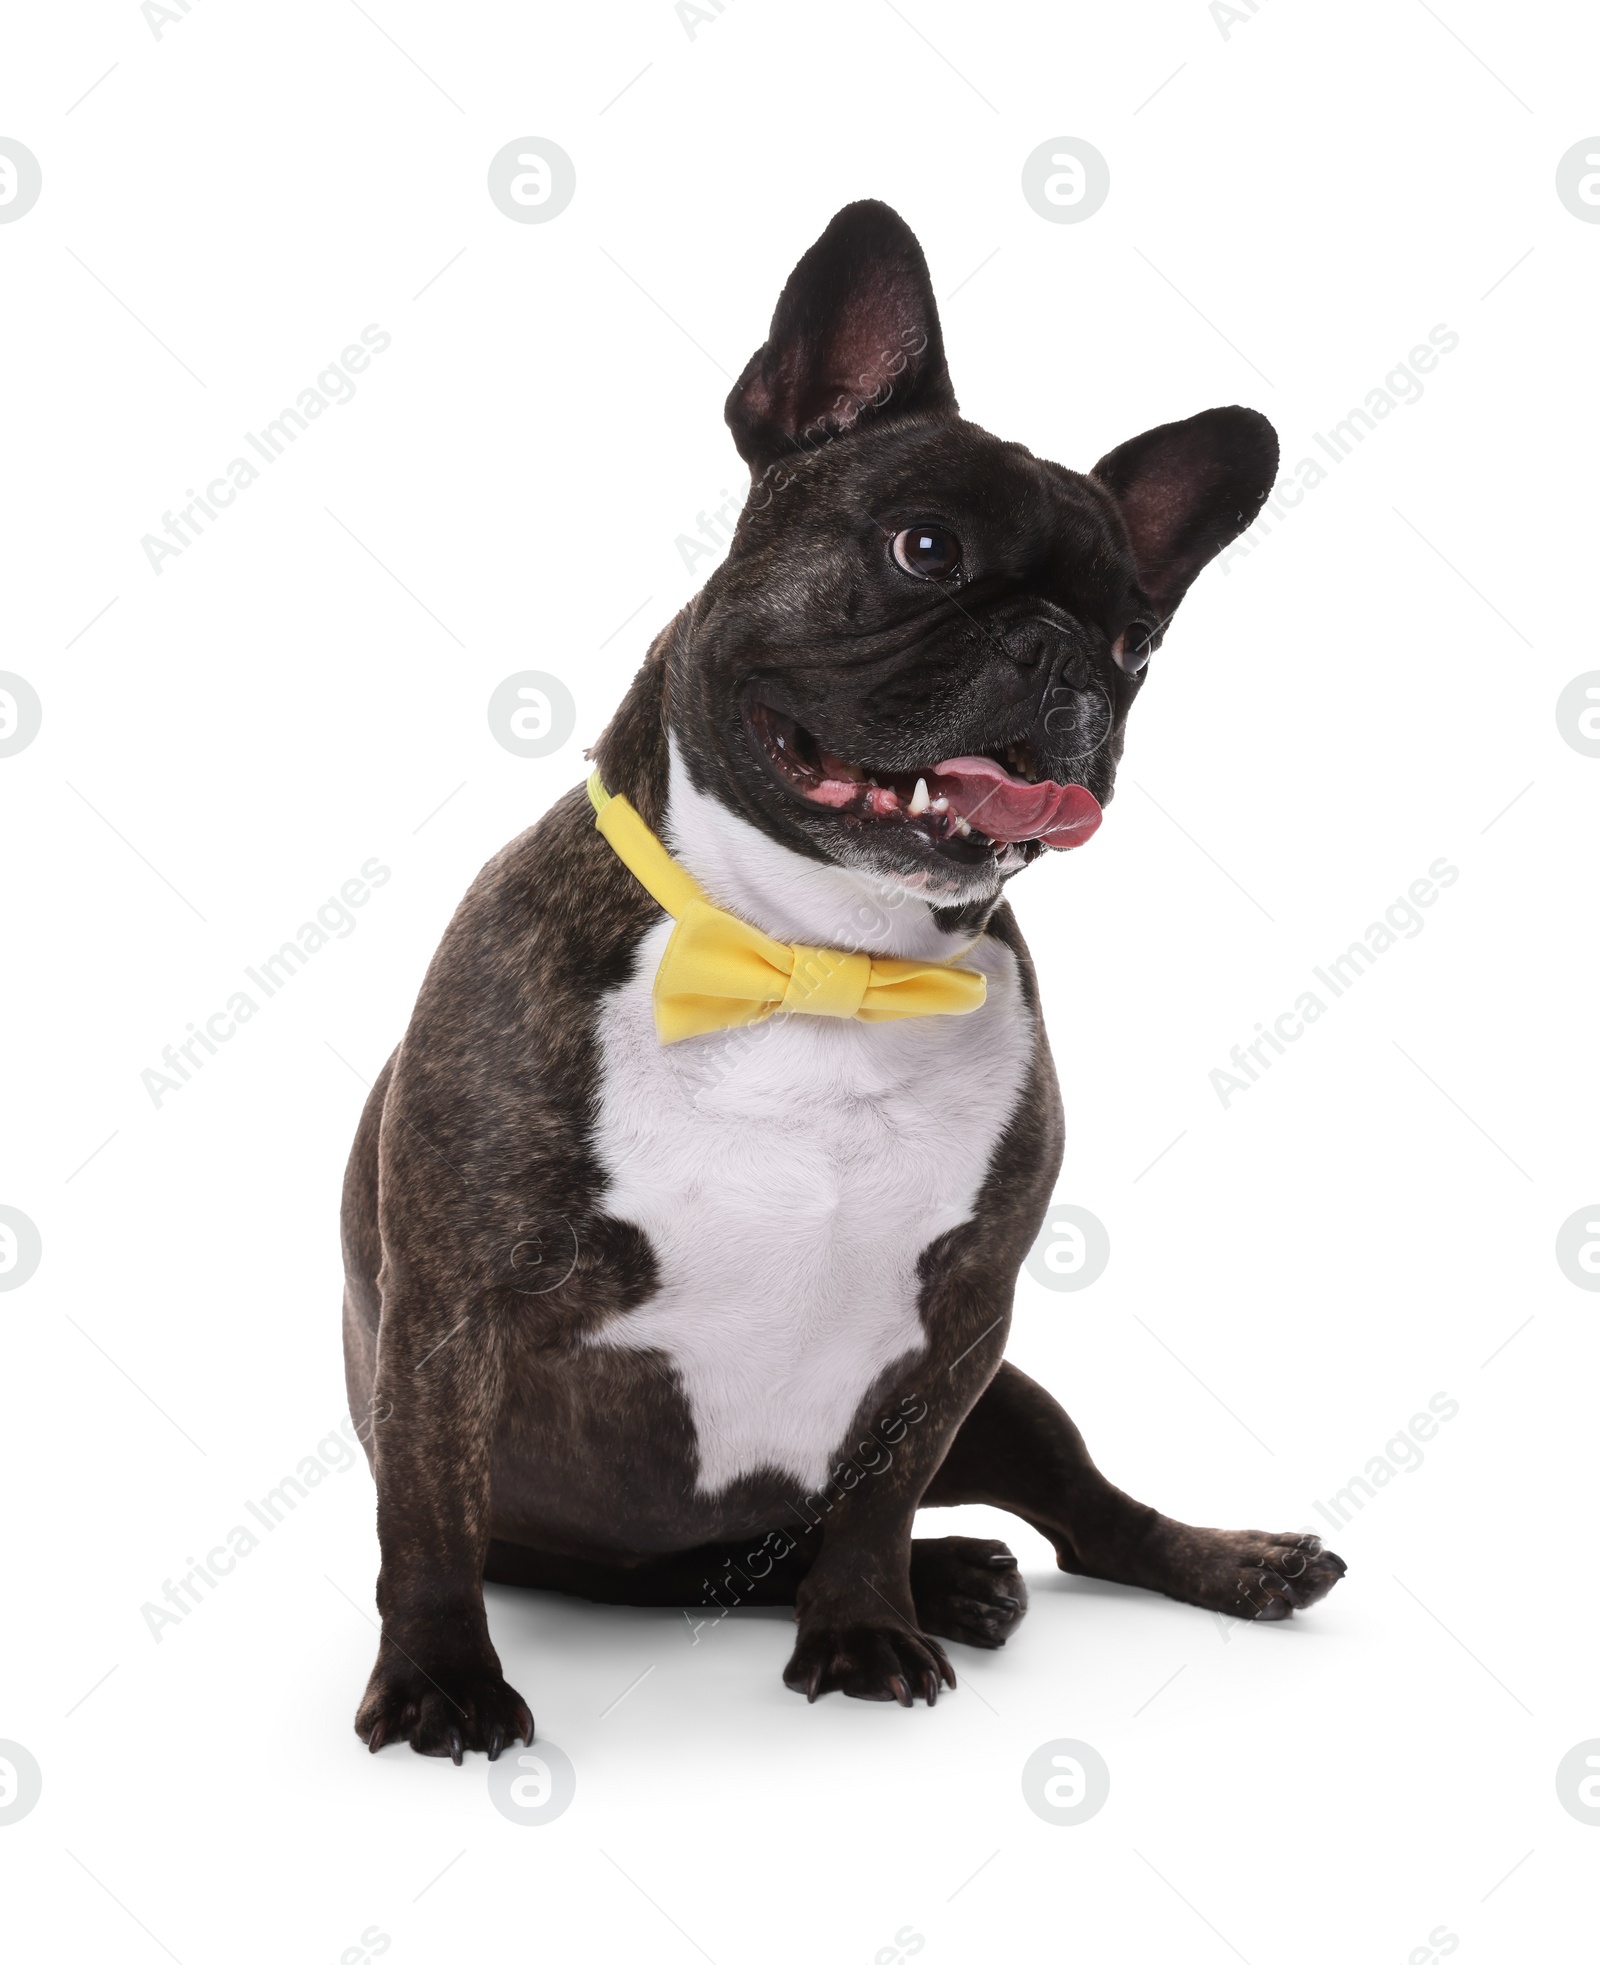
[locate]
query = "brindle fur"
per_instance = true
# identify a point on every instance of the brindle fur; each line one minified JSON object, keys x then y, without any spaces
{"x":478,"y":1252}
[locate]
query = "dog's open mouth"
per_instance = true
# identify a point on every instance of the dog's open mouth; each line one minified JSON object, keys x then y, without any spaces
{"x":980,"y":801}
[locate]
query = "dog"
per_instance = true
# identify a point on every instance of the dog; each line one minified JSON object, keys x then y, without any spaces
{"x":681,"y":1229}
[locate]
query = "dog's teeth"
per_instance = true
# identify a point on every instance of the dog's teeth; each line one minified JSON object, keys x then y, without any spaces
{"x":939,"y":804}
{"x":920,"y":800}
{"x":961,"y":826}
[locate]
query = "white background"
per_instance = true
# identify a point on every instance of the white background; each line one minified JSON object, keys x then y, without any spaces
{"x":1305,"y":197}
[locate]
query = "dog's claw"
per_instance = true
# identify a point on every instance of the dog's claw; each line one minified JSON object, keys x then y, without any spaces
{"x":930,"y":1687}
{"x":441,"y":1711}
{"x":1280,"y":1599}
{"x":813,"y":1685}
{"x":900,"y":1689}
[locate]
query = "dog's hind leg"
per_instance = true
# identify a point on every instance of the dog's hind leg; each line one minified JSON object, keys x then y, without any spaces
{"x":1019,"y":1451}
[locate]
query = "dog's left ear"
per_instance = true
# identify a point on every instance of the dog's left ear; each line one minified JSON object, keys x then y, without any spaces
{"x":1185,"y":490}
{"x":855,"y":336}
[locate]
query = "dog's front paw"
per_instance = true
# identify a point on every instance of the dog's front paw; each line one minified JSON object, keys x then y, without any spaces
{"x":873,"y":1659}
{"x":441,"y":1709}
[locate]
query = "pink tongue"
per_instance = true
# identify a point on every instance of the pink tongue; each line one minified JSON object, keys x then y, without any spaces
{"x":1006,"y":808}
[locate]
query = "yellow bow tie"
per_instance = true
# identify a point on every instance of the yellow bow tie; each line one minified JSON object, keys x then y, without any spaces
{"x":719,"y":972}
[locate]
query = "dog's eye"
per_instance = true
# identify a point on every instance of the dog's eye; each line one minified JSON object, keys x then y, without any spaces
{"x":1132,"y":648}
{"x":928,"y":551}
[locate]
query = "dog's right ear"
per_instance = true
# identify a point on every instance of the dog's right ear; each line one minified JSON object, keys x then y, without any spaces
{"x":1186,"y":490}
{"x":855,"y":336}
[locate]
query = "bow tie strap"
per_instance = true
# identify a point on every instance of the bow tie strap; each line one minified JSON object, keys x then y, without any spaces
{"x":718,"y":972}
{"x":669,"y":885}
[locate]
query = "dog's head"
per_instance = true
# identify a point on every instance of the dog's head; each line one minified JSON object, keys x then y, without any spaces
{"x":919,"y":655}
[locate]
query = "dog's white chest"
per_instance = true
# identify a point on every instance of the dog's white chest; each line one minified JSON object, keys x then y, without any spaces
{"x":788,"y":1176}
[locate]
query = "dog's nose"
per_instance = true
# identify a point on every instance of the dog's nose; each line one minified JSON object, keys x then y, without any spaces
{"x":1031,"y":642}
{"x":1072,"y":669}
{"x":1041,"y":642}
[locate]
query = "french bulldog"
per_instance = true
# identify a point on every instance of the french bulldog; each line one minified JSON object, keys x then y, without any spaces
{"x":706,"y":1321}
